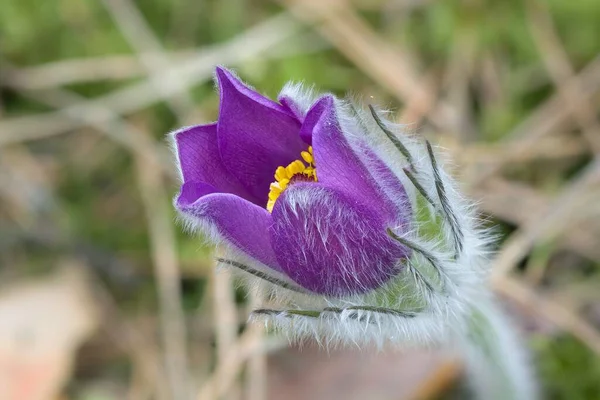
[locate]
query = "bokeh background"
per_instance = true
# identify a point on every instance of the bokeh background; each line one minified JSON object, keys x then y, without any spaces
{"x":102,"y":296}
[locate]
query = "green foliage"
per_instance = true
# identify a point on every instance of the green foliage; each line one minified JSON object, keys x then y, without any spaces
{"x":568,"y":369}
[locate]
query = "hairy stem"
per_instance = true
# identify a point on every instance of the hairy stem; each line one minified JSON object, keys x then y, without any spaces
{"x":496,"y":361}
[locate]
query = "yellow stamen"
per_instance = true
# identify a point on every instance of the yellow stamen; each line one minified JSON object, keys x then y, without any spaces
{"x":280,"y":174}
{"x":306,"y":156}
{"x":295,"y":168}
{"x":283,"y":175}
{"x":275,"y":191}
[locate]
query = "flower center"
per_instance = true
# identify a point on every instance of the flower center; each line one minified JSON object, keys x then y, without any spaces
{"x":295,"y":171}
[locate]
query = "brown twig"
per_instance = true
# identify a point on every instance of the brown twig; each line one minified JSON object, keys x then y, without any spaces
{"x":225,"y":319}
{"x":162,"y":244}
{"x":256,"y":374}
{"x":225,"y":373}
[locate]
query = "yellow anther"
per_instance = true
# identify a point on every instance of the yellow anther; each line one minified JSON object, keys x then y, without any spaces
{"x":295,"y":168}
{"x":273,"y":196}
{"x":283,"y":175}
{"x":280,"y":173}
{"x":310,"y":172}
{"x":306,"y":156}
{"x":275,"y":188}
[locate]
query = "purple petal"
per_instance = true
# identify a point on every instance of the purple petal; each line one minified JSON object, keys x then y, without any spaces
{"x":331,"y":244}
{"x":256,"y":135}
{"x":292,"y":107}
{"x":393,"y":187}
{"x":238,"y":221}
{"x":337,"y":164}
{"x":296,"y":109}
{"x":200,"y":161}
{"x":191,"y":191}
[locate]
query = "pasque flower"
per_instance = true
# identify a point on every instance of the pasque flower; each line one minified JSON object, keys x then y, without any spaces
{"x":351,"y":225}
{"x":285,"y":186}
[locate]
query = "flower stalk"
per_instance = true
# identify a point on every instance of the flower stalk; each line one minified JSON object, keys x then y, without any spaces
{"x":496,"y":364}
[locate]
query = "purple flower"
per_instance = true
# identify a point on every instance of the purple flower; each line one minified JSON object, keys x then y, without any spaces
{"x":291,"y":186}
{"x":353,"y":227}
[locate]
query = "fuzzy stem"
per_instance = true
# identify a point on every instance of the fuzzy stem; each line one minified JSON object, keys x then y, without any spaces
{"x":496,"y":361}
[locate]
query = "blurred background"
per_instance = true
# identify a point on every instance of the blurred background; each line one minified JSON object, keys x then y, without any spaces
{"x":102,"y":296}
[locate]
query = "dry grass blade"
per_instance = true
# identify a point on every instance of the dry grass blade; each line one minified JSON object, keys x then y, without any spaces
{"x":337,"y":22}
{"x":164,"y":257}
{"x":64,"y":72}
{"x":555,"y":147}
{"x":256,"y":378}
{"x":149,"y":50}
{"x":225,"y":316}
{"x":148,"y":374}
{"x":554,"y":112}
{"x":545,"y":119}
{"x":413,"y":111}
{"x":557,"y":215}
{"x":558,"y":65}
{"x":140,"y":95}
{"x":119,"y":67}
{"x":461,"y":65}
{"x":115,"y":128}
{"x":554,"y":312}
{"x":226,"y":372}
{"x":519,"y":204}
